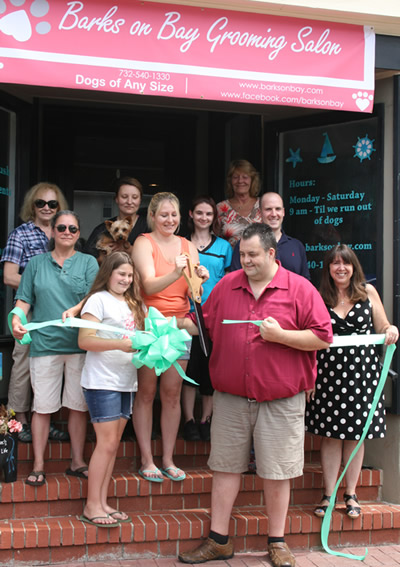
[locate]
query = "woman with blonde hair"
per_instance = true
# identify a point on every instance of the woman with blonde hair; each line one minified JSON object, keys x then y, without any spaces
{"x":160,"y":258}
{"x":241,"y":207}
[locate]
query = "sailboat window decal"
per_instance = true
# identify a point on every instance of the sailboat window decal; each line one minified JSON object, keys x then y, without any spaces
{"x":327,"y":155}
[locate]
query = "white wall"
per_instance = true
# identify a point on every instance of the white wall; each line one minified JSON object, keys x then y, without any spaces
{"x":385,"y":453}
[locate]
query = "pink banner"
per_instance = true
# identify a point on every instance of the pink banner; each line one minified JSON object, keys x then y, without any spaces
{"x":187,"y":52}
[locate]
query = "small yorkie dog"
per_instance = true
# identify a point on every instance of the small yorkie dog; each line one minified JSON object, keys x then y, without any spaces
{"x":116,"y":238}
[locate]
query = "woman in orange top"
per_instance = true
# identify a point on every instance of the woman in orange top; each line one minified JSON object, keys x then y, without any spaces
{"x":160,"y":258}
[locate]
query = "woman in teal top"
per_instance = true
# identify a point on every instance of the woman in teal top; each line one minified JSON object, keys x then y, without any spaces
{"x":50,"y":284}
{"x":215,"y":254}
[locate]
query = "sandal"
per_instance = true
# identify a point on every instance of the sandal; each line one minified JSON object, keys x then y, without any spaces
{"x":25,"y":435}
{"x":36,"y":475}
{"x":352,"y":512}
{"x":57,"y":435}
{"x":320,"y":511}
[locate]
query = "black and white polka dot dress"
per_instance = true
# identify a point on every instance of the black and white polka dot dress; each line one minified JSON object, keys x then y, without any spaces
{"x":346,"y":382}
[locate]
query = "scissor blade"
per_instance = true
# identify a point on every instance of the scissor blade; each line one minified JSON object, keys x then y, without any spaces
{"x":203,"y":337}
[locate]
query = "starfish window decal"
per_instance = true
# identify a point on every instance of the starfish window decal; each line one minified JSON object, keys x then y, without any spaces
{"x":294,"y":158}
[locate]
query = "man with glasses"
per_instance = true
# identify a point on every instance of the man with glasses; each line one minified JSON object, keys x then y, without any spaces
{"x":40,"y":205}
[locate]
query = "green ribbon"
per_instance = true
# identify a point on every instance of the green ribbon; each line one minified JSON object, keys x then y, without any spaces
{"x":378,"y":392}
{"x":346,"y":341}
{"x":26,"y":339}
{"x":159,"y":346}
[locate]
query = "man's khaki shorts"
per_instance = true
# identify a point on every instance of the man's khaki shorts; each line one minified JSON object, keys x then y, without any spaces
{"x":277,"y":428}
{"x":47,"y":374}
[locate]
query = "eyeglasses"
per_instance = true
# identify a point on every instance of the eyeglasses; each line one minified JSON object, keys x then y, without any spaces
{"x":40,"y":203}
{"x":63,"y":227}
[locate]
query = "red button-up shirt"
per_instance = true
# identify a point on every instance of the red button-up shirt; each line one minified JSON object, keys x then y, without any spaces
{"x":242,"y":363}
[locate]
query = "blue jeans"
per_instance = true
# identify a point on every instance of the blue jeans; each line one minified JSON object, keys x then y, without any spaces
{"x":108,"y":405}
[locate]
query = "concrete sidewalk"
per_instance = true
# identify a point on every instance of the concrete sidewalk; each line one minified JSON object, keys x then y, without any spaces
{"x":388,"y":555}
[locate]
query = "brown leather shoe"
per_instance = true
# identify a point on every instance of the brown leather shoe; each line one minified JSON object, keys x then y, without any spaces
{"x":209,"y":550}
{"x":280,"y":555}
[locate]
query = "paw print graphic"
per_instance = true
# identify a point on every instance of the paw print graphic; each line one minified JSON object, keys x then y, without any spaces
{"x":363,"y":99}
{"x":18,"y":23}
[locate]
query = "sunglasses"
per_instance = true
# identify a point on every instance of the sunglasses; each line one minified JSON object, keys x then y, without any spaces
{"x":63,"y":227}
{"x":40,"y":203}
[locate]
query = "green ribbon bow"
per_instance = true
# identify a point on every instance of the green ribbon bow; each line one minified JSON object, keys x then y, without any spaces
{"x":159,"y":345}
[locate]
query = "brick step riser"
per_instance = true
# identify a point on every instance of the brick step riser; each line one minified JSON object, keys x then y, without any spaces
{"x":58,"y":455}
{"x":66,"y":495}
{"x":155,"y":503}
{"x":59,"y":466}
{"x":166,"y":534}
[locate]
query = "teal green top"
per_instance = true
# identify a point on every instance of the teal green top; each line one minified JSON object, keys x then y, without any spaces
{"x":51,"y":289}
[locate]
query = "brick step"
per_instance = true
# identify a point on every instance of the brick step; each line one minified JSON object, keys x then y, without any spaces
{"x":187,"y":453}
{"x":64,"y":494}
{"x":165,"y":534}
{"x":190,"y":454}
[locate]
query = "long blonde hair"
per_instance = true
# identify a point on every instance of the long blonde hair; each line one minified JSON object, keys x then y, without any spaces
{"x":132,"y":295}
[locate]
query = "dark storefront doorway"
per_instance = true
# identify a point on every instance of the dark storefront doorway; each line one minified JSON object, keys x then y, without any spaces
{"x":85,"y":148}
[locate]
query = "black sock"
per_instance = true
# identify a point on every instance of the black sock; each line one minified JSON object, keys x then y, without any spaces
{"x":218,"y":538}
{"x":275,"y":539}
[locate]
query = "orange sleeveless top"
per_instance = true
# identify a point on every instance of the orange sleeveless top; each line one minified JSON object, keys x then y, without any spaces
{"x":173,"y":300}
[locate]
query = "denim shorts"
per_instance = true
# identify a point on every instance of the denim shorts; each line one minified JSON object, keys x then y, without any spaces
{"x":108,"y":405}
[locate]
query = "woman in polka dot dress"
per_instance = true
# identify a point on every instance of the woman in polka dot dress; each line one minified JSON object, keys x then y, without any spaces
{"x":347,"y":377}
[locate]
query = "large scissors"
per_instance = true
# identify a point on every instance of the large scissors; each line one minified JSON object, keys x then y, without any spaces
{"x":194,"y":282}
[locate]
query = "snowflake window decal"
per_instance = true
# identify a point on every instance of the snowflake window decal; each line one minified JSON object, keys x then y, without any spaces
{"x":364,"y":148}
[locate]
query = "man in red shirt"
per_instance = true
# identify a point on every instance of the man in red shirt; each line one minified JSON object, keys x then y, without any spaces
{"x":260,"y":373}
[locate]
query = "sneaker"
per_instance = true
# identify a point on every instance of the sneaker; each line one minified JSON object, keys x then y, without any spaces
{"x":204,"y":429}
{"x":191,"y":431}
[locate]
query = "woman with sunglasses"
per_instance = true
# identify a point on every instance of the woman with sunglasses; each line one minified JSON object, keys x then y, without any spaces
{"x":40,"y":205}
{"x":51,"y":283}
